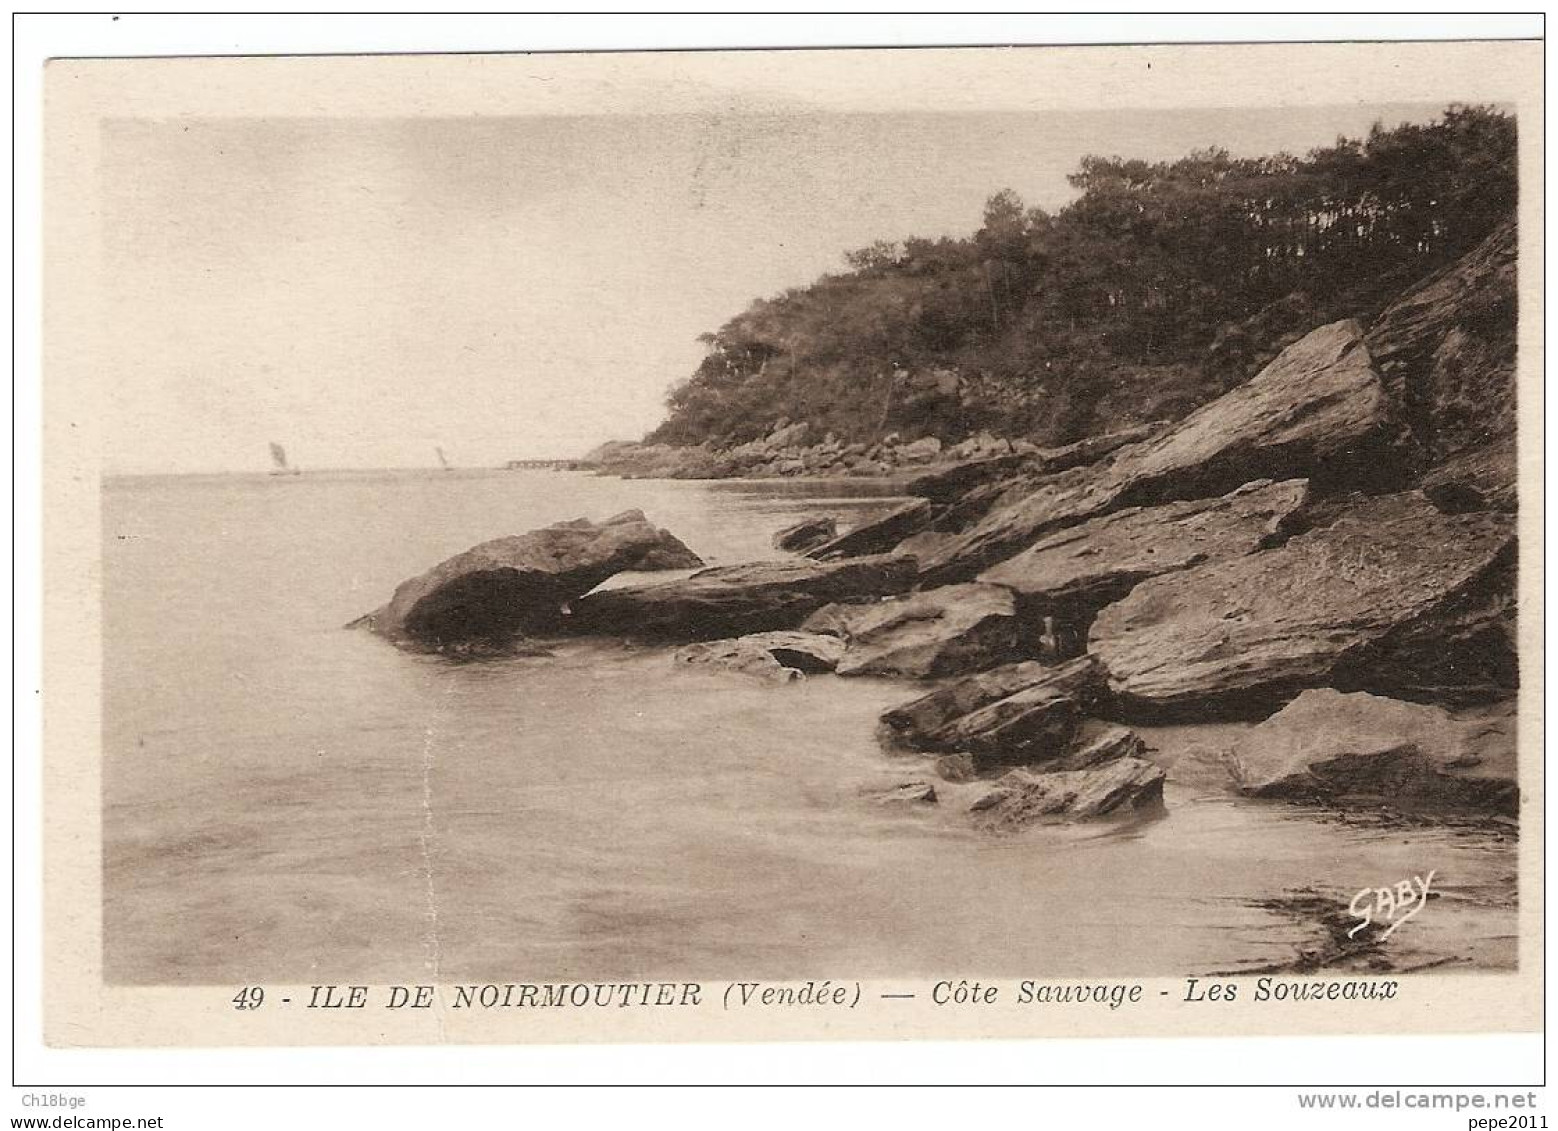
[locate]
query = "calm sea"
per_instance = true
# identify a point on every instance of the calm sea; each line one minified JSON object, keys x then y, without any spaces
{"x":288,"y":801}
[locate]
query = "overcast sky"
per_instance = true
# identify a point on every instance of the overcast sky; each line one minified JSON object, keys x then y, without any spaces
{"x":361,"y":290}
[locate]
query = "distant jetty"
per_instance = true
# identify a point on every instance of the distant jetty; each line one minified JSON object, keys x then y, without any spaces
{"x":548,"y":465}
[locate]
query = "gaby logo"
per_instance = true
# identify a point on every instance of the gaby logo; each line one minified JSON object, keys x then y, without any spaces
{"x":1391,"y":905}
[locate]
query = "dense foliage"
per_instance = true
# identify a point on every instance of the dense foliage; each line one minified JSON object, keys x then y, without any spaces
{"x":1159,"y":286}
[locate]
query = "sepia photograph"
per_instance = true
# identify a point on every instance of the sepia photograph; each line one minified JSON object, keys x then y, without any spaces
{"x":794,"y":545}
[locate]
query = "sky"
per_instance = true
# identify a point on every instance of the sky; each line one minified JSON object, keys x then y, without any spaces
{"x":363,"y":289}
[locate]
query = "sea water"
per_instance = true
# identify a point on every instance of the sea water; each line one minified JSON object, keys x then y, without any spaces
{"x":286,"y":800}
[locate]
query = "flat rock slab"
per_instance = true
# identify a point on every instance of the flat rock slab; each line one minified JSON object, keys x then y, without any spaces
{"x":878,"y":535}
{"x":948,"y":631}
{"x":1373,"y":598}
{"x":1023,"y":797}
{"x":1318,"y":410}
{"x":736,"y":600}
{"x":520,"y":585}
{"x":777,"y":656}
{"x":1085,"y":567}
{"x":1361,"y":749}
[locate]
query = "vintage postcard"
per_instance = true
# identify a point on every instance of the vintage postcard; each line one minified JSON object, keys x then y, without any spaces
{"x":779,"y":545}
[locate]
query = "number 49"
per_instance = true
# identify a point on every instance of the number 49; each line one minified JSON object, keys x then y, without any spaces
{"x":250,"y":997}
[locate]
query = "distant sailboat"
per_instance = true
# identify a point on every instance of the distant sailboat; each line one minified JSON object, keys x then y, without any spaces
{"x":278,"y":457}
{"x":442,"y":459}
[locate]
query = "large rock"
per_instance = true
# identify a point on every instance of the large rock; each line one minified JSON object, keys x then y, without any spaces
{"x":949,"y":631}
{"x":1085,"y":567}
{"x":1349,"y":749}
{"x":1446,"y":350}
{"x":671,"y":553}
{"x":803,"y":535}
{"x":1392,"y":594}
{"x":877,"y":535}
{"x":1033,"y":726}
{"x":737,"y":600}
{"x":912,"y":724}
{"x":1318,"y":411}
{"x":1023,"y":797}
{"x":921,"y":724}
{"x":510,"y":587}
{"x":777,"y":656}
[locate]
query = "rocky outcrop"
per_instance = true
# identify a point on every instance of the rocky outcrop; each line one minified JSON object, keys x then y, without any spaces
{"x":1446,"y":350}
{"x":1382,"y":597}
{"x":1364,"y":750}
{"x":802,"y":536}
{"x":1023,"y":797}
{"x":877,"y":535}
{"x":736,"y":600}
{"x":960,"y":628}
{"x":510,"y":587}
{"x":778,"y":656}
{"x":793,"y":449}
{"x":1318,"y":411}
{"x":1082,"y":568}
{"x":789,"y":449}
